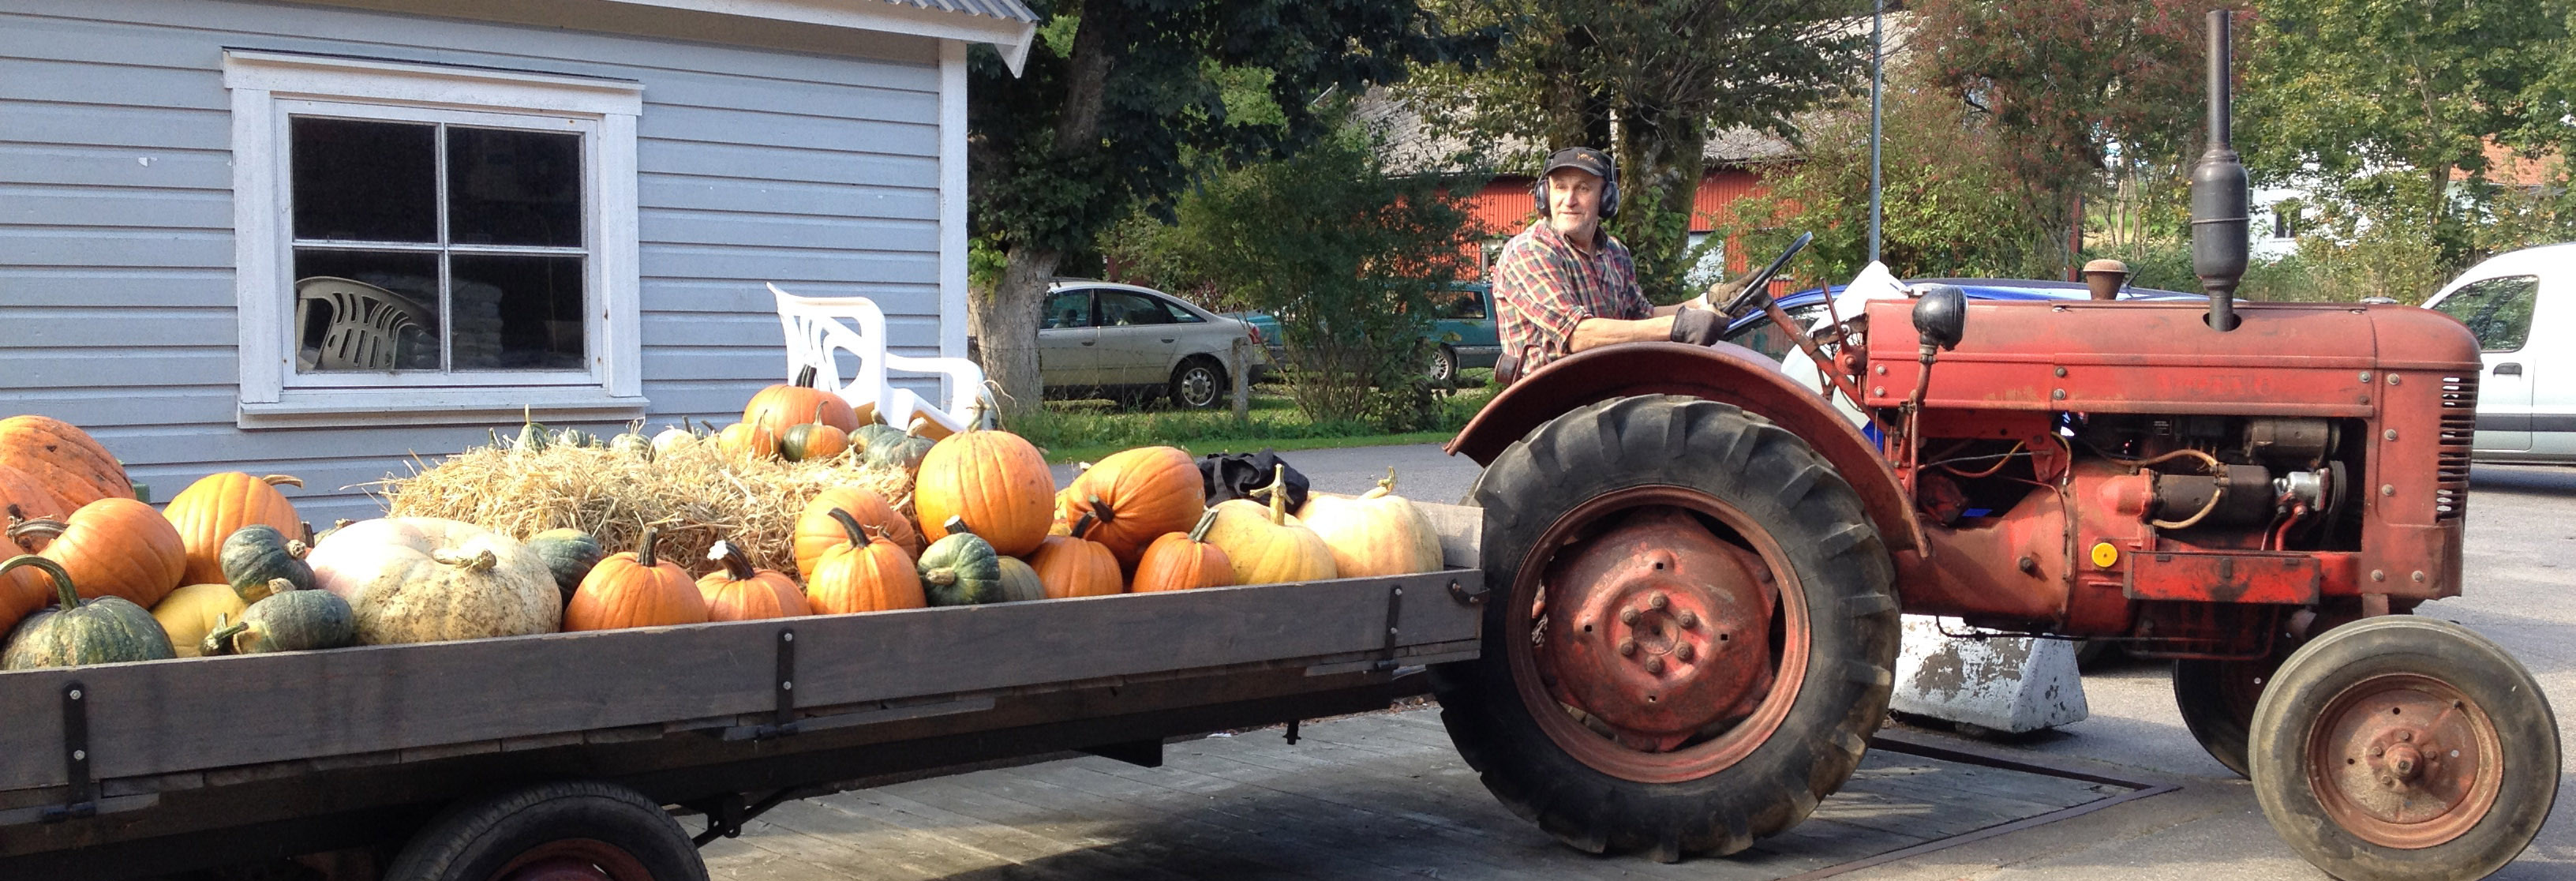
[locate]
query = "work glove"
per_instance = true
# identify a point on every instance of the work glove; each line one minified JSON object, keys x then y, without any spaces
{"x":1698,"y":327}
{"x":1724,"y":292}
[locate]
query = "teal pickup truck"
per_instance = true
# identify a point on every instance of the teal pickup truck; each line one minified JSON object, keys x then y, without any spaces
{"x":1462,"y":331}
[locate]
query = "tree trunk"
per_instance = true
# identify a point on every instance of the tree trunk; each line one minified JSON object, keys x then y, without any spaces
{"x":1007,"y":328}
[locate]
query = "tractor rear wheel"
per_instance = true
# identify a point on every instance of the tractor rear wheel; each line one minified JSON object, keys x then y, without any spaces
{"x":2402,"y":747}
{"x":1695,"y":635}
{"x":2217,"y":703}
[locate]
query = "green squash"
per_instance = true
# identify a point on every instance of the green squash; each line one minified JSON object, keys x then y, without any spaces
{"x":287,"y":621}
{"x":532,"y":435}
{"x":903,"y":451}
{"x":106,"y":630}
{"x":1019,"y":582}
{"x":632,"y":445}
{"x":255,"y":555}
{"x":866,"y":437}
{"x":961,"y":569}
{"x":569,"y":554}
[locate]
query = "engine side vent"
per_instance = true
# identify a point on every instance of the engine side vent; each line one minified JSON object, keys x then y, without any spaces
{"x":2459,"y":425}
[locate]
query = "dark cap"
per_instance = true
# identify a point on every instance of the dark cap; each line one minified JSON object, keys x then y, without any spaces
{"x":1583,"y":159}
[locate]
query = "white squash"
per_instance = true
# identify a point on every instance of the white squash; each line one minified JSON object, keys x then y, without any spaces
{"x":424,"y":579}
{"x":1375,"y":534}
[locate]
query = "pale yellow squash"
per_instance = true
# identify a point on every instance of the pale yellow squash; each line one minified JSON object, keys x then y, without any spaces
{"x":1375,"y":534}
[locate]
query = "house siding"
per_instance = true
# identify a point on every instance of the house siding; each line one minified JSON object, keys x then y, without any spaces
{"x":117,"y":297}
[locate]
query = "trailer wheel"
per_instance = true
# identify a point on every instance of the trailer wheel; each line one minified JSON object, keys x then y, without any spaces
{"x":2401,"y":747}
{"x":1695,"y":636}
{"x":574,"y":830}
{"x":2217,"y":702}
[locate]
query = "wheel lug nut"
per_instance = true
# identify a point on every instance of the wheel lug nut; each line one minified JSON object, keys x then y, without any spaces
{"x":1684,"y":652}
{"x":2406,"y":737}
{"x":1627,"y":616}
{"x":1627,"y":647}
{"x":2376,"y":752}
{"x":1687,"y":619}
{"x":1656,"y":600}
{"x":1655,"y":664}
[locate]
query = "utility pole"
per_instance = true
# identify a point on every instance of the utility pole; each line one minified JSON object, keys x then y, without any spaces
{"x":1878,"y":11}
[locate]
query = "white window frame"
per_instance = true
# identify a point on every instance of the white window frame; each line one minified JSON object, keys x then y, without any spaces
{"x":268,"y":87}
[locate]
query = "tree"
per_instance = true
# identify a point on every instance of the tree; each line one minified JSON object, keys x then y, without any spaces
{"x":2360,"y":91}
{"x":1113,"y":96}
{"x":1651,"y":81}
{"x":1346,"y":252}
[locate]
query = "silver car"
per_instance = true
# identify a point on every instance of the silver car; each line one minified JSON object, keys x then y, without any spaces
{"x":1132,"y":343}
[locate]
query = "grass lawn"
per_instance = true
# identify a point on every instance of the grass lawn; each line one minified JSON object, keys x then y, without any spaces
{"x":1083,"y":431}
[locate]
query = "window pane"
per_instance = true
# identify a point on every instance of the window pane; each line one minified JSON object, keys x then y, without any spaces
{"x":1068,"y":309}
{"x":1122,"y":309}
{"x":364,"y":181}
{"x":366,"y":310}
{"x":513,"y":187}
{"x":516,"y":312}
{"x":2497,"y":310}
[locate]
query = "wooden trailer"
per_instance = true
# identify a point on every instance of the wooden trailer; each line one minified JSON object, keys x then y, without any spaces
{"x":413,"y":751}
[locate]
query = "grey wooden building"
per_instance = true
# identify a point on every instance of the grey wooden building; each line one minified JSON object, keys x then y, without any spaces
{"x":325,"y":238}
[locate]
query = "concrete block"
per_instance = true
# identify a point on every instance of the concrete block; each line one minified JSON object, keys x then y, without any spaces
{"x":2005,"y":684}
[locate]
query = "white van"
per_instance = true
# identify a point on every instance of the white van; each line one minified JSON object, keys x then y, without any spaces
{"x":2522,"y":306}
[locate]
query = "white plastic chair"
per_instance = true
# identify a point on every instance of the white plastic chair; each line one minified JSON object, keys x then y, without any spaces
{"x":367,"y":324}
{"x":818,"y":329}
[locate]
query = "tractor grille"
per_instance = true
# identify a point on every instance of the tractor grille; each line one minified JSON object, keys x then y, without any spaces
{"x":2459,"y":424}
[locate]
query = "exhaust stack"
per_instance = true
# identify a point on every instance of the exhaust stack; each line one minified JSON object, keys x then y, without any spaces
{"x":2219,"y":195}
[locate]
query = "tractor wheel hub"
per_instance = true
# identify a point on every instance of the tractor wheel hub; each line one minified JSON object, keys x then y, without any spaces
{"x":1658,"y":630}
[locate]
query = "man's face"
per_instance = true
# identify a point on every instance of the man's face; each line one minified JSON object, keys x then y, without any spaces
{"x":1573,"y":202}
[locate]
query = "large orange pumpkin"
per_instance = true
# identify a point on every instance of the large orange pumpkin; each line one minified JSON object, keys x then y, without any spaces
{"x":111,"y":547}
{"x":740,"y":592}
{"x":210,"y":509}
{"x":22,"y":495}
{"x":64,"y":460}
{"x":865,"y":572}
{"x":1134,"y":497}
{"x":1074,"y":567}
{"x":779,"y":406}
{"x":633,"y":589}
{"x":995,"y":481}
{"x":1183,"y":561}
{"x":817,"y":532}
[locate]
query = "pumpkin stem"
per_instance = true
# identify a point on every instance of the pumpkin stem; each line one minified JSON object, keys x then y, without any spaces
{"x":46,"y":528}
{"x":942,"y":576}
{"x":62,"y":580}
{"x":1384,"y":488}
{"x":644,"y":547}
{"x":298,"y":548}
{"x":955,"y":523}
{"x":480,"y":561}
{"x":1207,"y":518}
{"x":275,"y":586}
{"x":220,"y":641}
{"x":850,"y":527}
{"x":283,"y":480}
{"x":805,"y":376}
{"x":1278,"y":493}
{"x":737,"y":564}
{"x":307,"y":526}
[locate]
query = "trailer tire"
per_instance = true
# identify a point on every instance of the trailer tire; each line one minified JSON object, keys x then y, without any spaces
{"x":1840,"y":584}
{"x":616,"y":829}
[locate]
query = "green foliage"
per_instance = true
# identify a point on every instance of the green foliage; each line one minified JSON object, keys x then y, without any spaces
{"x":1070,"y":430}
{"x":1343,"y":250}
{"x":1651,"y":81}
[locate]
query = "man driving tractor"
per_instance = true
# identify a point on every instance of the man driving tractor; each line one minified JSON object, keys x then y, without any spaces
{"x":1565,"y":285}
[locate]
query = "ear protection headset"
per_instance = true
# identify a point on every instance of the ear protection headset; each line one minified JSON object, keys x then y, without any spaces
{"x":1575,"y":157}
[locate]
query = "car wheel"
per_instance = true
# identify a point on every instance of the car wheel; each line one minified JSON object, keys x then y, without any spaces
{"x":1198,"y":385}
{"x":1443,"y":368}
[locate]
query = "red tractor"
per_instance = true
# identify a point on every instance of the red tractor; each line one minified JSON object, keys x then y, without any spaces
{"x":1699,"y":564}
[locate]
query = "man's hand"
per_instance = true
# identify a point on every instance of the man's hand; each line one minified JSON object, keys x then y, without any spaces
{"x":1698,"y":327}
{"x":1722,"y":293}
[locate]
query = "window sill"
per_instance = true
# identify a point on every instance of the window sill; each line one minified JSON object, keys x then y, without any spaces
{"x":337,"y":408}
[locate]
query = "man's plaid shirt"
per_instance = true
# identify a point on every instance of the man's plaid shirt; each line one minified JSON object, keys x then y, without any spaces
{"x":1544,"y":286}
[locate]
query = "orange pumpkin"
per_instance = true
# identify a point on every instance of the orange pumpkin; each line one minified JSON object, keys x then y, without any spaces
{"x":64,"y":460}
{"x":1075,"y":567}
{"x":742,"y":593}
{"x":1134,"y":497}
{"x":22,"y":495}
{"x":633,"y":589}
{"x":1184,"y":561}
{"x":995,"y":481}
{"x":111,"y":547}
{"x":817,"y":532}
{"x":863,"y":573}
{"x":779,"y":406}
{"x":210,"y":509}
{"x":747,"y":440}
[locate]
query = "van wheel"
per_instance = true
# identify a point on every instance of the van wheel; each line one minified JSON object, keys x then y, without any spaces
{"x":1198,"y":384}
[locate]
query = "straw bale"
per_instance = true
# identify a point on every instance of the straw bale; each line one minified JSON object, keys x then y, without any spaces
{"x":693,"y":493}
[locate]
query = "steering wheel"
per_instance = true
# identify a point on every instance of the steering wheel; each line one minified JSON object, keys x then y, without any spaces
{"x":1757,"y":289}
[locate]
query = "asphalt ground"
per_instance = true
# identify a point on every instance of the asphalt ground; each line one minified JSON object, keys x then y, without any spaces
{"x":2521,"y":570}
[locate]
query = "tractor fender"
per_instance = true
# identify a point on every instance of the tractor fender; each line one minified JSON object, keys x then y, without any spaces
{"x":1723,"y":372}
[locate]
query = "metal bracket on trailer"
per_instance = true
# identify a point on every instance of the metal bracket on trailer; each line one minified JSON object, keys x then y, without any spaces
{"x":1394,"y":622}
{"x":784,"y":721}
{"x":83,"y":799}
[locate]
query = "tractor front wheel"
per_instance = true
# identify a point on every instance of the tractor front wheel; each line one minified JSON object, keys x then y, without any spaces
{"x":1696,"y":635}
{"x":2403,"y":747}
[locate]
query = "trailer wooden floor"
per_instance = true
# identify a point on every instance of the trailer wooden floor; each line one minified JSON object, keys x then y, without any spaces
{"x":1375,"y":796}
